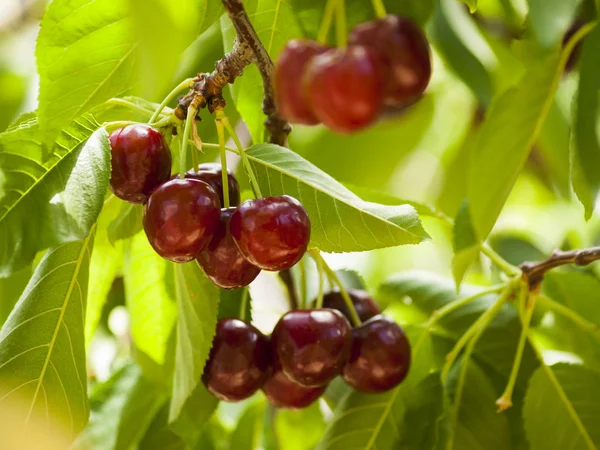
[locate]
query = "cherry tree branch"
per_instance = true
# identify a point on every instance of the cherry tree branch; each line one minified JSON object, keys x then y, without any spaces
{"x":535,"y":271}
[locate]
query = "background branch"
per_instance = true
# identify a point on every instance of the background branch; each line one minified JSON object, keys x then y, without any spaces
{"x":534,"y":271}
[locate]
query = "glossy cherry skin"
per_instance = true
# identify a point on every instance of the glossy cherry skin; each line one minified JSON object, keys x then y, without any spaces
{"x":380,"y":356}
{"x":311,"y":345}
{"x":239,"y":361}
{"x":181,"y":217}
{"x":344,"y":88}
{"x":405,"y":52}
{"x":210,"y":173}
{"x":272,"y":233}
{"x":364,"y":305}
{"x":283,"y":393}
{"x":223,"y":262}
{"x":289,"y":70}
{"x":141,"y":160}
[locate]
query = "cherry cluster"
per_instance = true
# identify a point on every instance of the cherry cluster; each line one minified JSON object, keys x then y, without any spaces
{"x":183,"y":218}
{"x":307,"y":349}
{"x":387,"y":64}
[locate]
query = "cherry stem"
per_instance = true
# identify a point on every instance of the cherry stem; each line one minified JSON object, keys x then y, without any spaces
{"x":245,"y":161}
{"x":527,"y":303}
{"x":302,"y":270}
{"x":478,"y":326}
{"x":224,"y":177}
{"x":185,"y":84}
{"x":244,"y":303}
{"x":323,"y":266}
{"x":504,"y":265}
{"x":321,"y":271}
{"x":326,"y":21}
{"x":118,"y":124}
{"x":130,"y":105}
{"x":558,"y":308}
{"x":340,"y":24}
{"x":191,"y":114}
{"x":379,"y":8}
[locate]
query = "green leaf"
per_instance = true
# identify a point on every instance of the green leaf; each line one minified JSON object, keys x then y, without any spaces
{"x":465,"y":244}
{"x":341,"y":221}
{"x":550,"y":19}
{"x":198,"y":305}
{"x":86,"y":55}
{"x":510,"y":129}
{"x":472,"y":4}
{"x":247,"y":433}
{"x":44,"y":203}
{"x":150,"y":298}
{"x":585,"y":143}
{"x":275,"y":24}
{"x":375,"y":421}
{"x":299,"y":430}
{"x":562,"y":408}
{"x":127,"y":224}
{"x":477,"y":425}
{"x":42,"y":353}
{"x":106,"y":263}
{"x":194,"y":415}
{"x":122,"y":408}
{"x":11,"y":289}
{"x":231,"y":301}
{"x":159,"y":436}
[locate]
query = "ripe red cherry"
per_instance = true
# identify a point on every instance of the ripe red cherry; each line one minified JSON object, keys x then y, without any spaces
{"x":239,"y":361}
{"x":289,"y":69}
{"x":283,"y":393}
{"x":405,"y":52}
{"x":344,"y":88}
{"x":222,"y":261}
{"x":141,"y":160}
{"x":210,"y":173}
{"x":312,"y":345}
{"x":181,"y":217}
{"x":380,"y":356}
{"x":272,"y":233}
{"x":364,"y":305}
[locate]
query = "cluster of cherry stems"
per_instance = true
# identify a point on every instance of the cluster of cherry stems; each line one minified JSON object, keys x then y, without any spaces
{"x":386,"y":65}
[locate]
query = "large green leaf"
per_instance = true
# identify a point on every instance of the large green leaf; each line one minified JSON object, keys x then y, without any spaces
{"x":11,"y":289}
{"x":121,"y":411}
{"x":47,"y":202}
{"x":299,"y":430}
{"x":85,"y":55}
{"x":248,"y":430}
{"x":194,"y":415}
{"x":341,"y":221}
{"x":585,"y":145}
{"x":550,"y":19}
{"x":149,"y":293}
{"x":562,"y":408}
{"x":198,"y":305}
{"x":42,"y":354}
{"x":275,"y":24}
{"x":464,"y":242}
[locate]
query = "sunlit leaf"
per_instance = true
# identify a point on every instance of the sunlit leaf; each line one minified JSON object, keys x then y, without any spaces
{"x":550,"y":19}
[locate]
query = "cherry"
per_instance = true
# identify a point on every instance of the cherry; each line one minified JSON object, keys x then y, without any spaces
{"x":405,"y":52}
{"x":272,"y":233}
{"x":141,"y":160}
{"x":289,"y":69}
{"x":364,"y":305}
{"x":344,"y":87}
{"x":312,"y":346}
{"x":283,"y":393}
{"x":210,"y":173}
{"x":239,"y":361}
{"x":180,"y":218}
{"x":380,"y":356}
{"x":222,"y":261}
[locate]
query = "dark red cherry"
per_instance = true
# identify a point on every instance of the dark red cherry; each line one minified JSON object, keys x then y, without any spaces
{"x":283,"y":393}
{"x":181,"y":217}
{"x":364,"y":305}
{"x":344,"y":88}
{"x":312,"y":345}
{"x":289,"y":69}
{"x":273,"y":232}
{"x":405,"y":52}
{"x":222,"y":261}
{"x":239,"y":361}
{"x":380,"y":356}
{"x":210,"y":173}
{"x":141,"y":160}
